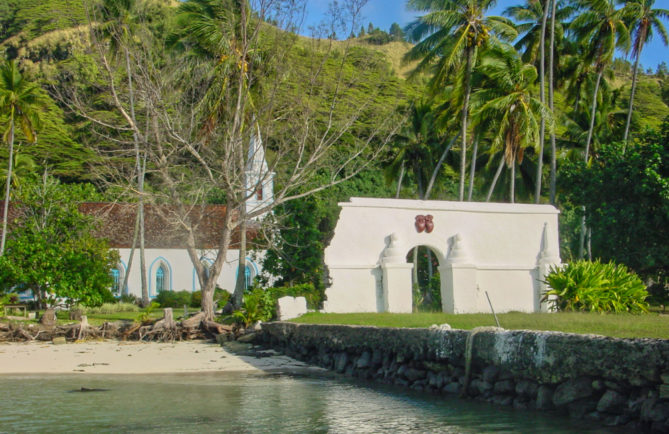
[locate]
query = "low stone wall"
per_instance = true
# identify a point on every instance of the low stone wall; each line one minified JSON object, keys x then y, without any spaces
{"x":615,"y":381}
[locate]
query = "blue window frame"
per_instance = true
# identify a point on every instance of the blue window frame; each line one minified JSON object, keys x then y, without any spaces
{"x":116,"y":284}
{"x":160,"y":279}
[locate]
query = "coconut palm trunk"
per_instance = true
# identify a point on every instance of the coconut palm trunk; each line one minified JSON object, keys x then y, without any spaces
{"x":472,"y":170}
{"x":465,"y":114}
{"x":399,"y":181}
{"x":8,"y":185}
{"x":631,"y":105}
{"x":512,"y":192}
{"x":542,"y":93}
{"x":551,"y":90}
{"x":498,"y":172}
{"x":240,"y":284}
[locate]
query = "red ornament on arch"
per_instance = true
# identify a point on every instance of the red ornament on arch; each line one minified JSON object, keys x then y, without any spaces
{"x":424,"y":223}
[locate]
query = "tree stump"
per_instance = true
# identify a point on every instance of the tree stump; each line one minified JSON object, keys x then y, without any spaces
{"x":48,"y":319}
{"x":83,"y":326}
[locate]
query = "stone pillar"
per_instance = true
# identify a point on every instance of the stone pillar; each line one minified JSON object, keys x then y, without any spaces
{"x":547,"y":257}
{"x":397,"y":292}
{"x":458,"y":280}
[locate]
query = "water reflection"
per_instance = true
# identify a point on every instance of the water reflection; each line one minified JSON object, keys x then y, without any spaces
{"x":246,"y":403}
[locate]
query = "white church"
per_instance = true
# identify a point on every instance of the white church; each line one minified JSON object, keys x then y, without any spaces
{"x":168,"y":266}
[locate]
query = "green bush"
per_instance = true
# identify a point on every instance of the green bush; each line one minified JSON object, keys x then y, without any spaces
{"x":221,"y":296}
{"x":128,"y":298}
{"x":173,"y":298}
{"x":258,"y":305}
{"x":595,"y":287}
{"x":307,"y":290}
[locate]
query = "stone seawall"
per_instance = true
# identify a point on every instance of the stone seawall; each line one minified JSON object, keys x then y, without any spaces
{"x":616,"y":381}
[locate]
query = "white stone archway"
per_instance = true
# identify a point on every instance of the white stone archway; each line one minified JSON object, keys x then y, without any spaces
{"x":502,"y":249}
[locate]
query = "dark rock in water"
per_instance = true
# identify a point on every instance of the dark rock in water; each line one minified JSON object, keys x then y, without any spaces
{"x":89,"y":389}
{"x":364,"y":360}
{"x":572,"y":390}
{"x":544,"y":398}
{"x":611,"y":402}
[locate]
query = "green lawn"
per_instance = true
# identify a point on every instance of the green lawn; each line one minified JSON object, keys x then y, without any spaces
{"x":650,"y":325}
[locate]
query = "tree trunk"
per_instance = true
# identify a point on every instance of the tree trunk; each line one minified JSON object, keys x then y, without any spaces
{"x":399,"y":181}
{"x":631,"y":105}
{"x":472,"y":170}
{"x":551,"y":79}
{"x":592,"y":116}
{"x":581,"y":247}
{"x":435,"y":172}
{"x":513,"y":180}
{"x":140,"y":167}
{"x":495,"y":178}
{"x":135,"y":236}
{"x":5,"y":216}
{"x":465,"y":112}
{"x":414,"y":271}
{"x":142,"y":256}
{"x":240,"y":284}
{"x":542,"y":93}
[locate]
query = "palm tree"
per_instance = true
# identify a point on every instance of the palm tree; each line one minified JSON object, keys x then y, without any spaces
{"x":23,"y":169}
{"x":213,"y":31}
{"x":117,"y":22}
{"x":529,"y":18}
{"x":600,"y":29}
{"x":507,"y":99}
{"x":19,"y":104}
{"x":645,"y":20}
{"x":451,"y":35}
{"x":535,"y":16}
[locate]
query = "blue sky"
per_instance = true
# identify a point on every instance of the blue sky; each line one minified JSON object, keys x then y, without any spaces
{"x":382,"y":13}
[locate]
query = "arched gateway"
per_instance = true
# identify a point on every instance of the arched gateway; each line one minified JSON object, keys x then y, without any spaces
{"x":502,"y":249}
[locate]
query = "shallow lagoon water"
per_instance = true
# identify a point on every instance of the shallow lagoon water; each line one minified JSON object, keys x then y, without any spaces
{"x":249,"y":403}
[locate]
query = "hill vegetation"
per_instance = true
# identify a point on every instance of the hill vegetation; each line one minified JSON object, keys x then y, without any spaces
{"x":134,"y":93}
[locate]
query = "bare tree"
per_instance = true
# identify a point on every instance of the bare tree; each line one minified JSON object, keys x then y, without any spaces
{"x":196,"y":119}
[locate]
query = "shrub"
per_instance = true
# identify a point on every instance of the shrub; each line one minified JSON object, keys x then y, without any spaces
{"x":307,"y":290}
{"x":128,"y":298}
{"x":258,"y":305}
{"x":221,"y":296}
{"x":173,"y":298}
{"x":595,"y":287}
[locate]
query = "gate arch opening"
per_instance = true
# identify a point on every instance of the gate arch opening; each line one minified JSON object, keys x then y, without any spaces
{"x":425,"y":279}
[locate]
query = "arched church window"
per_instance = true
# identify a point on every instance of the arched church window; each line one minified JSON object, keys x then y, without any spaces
{"x":161,"y":278}
{"x":116,"y":281}
{"x":247,"y":276}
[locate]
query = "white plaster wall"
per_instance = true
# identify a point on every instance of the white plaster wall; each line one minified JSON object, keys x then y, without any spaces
{"x":357,"y":290}
{"x":513,"y":292}
{"x":503,"y":241}
{"x":181,"y":271}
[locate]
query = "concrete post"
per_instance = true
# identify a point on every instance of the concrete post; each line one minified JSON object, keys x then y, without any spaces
{"x":397,"y":292}
{"x":547,"y":257}
{"x":458,"y":280}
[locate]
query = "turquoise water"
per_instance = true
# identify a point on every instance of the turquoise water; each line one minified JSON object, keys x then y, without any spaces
{"x":248,"y":403}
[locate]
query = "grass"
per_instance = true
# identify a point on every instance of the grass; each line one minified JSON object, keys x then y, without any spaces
{"x":650,"y":325}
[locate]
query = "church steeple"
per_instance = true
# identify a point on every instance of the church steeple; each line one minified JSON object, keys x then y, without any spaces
{"x":259,"y":179}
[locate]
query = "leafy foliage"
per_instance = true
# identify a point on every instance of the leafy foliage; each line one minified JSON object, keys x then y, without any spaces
{"x":258,"y":305}
{"x":626,"y":194}
{"x":52,"y":252}
{"x":596,"y":287}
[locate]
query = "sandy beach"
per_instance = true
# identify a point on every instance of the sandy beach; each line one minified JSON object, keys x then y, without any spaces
{"x":114,"y":357}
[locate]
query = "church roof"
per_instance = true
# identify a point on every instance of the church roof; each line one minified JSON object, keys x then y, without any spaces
{"x":117,"y":223}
